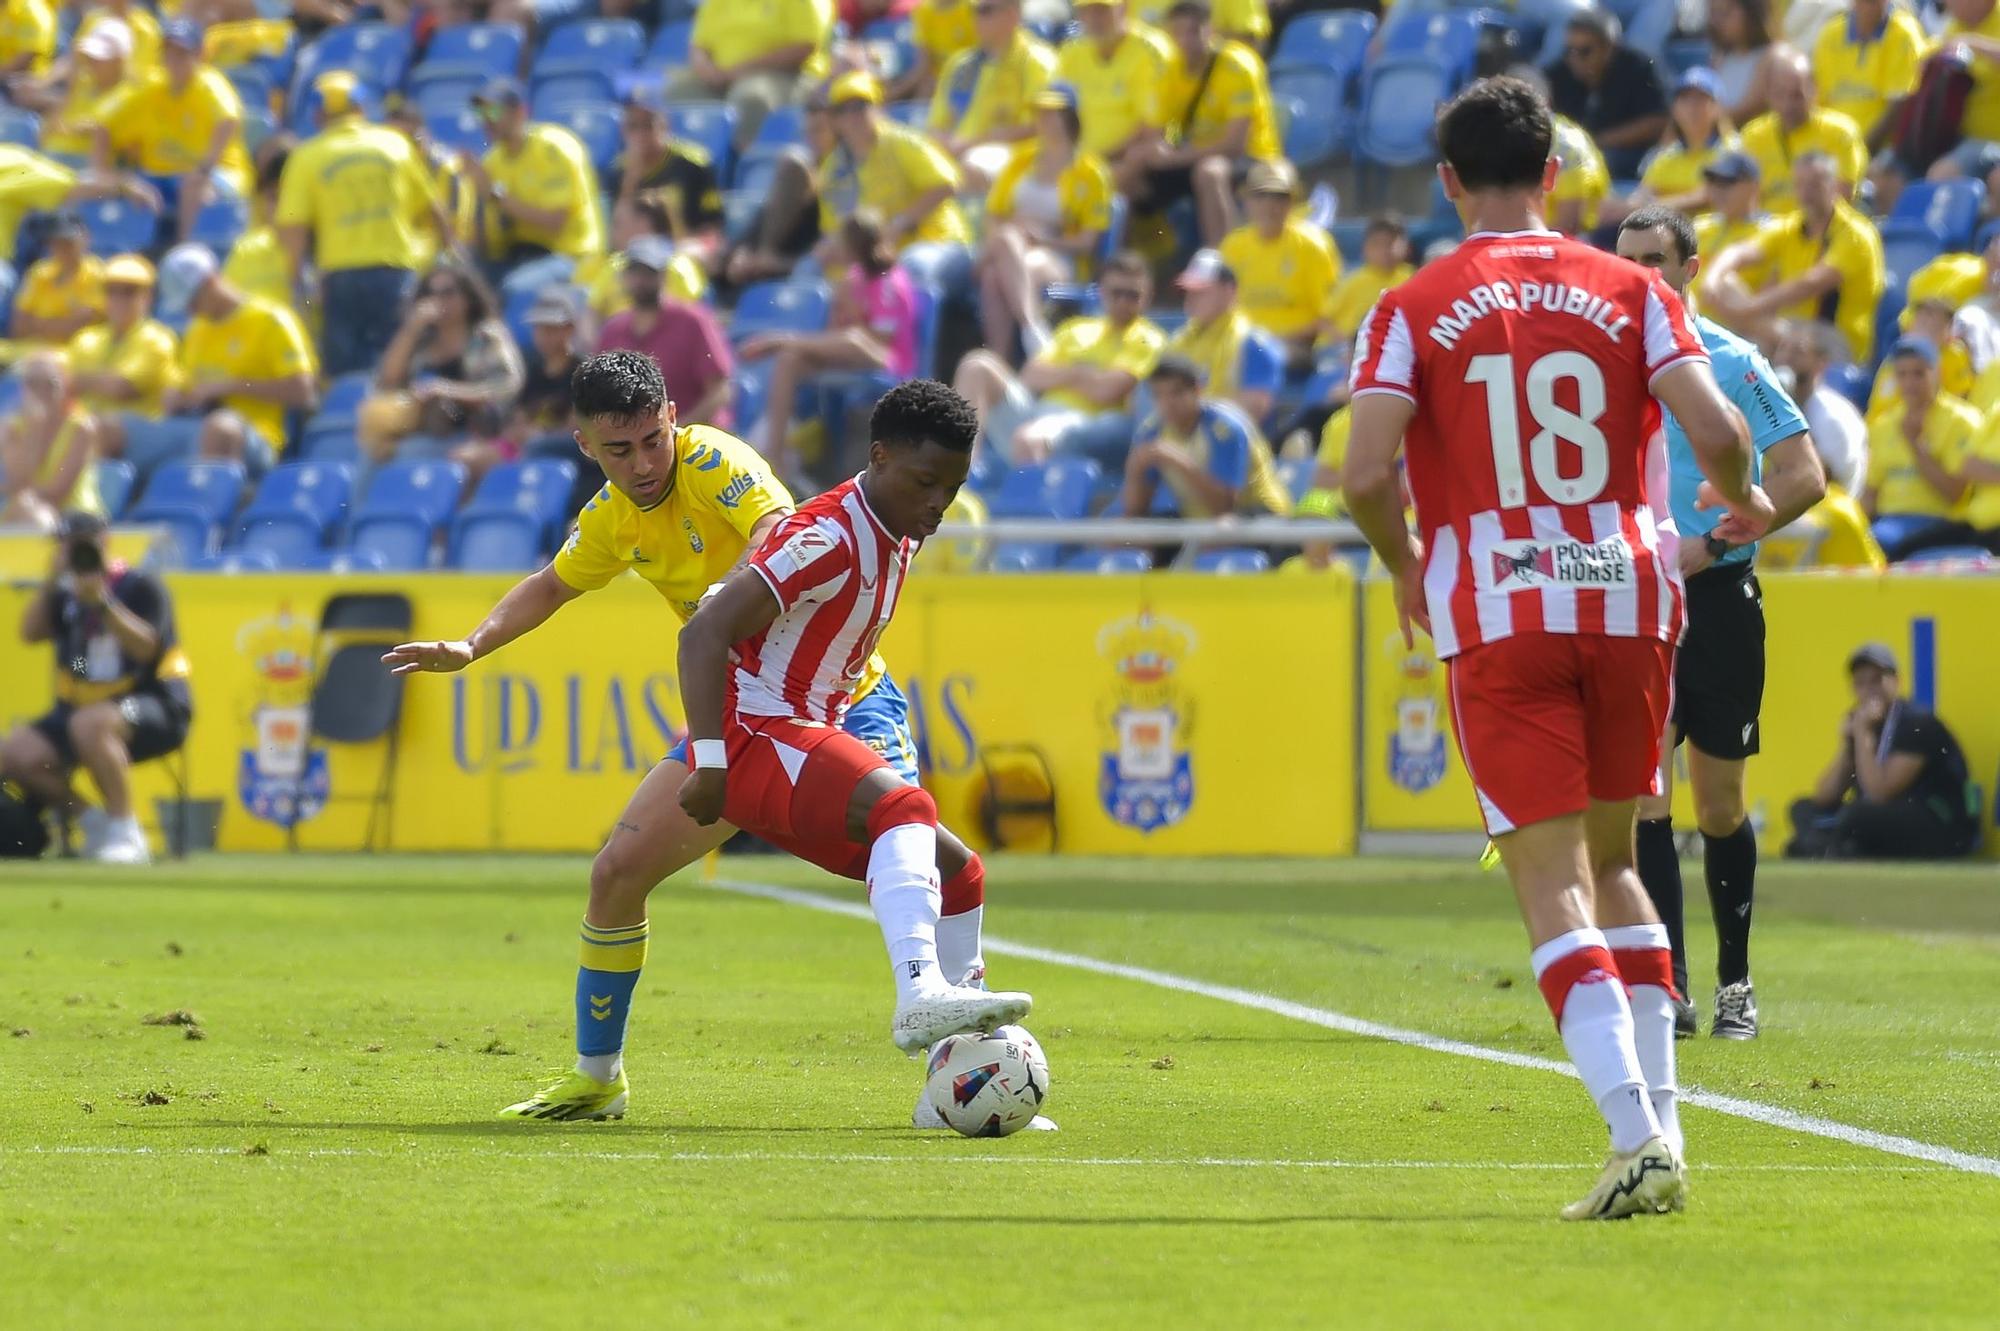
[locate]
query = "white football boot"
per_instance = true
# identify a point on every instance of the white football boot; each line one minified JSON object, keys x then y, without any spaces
{"x":921,"y":1022}
{"x":1649,"y":1181}
{"x":124,"y":843}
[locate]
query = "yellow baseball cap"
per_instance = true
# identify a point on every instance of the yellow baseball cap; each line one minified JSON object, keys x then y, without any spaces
{"x":1273,"y":177}
{"x":128,"y":270}
{"x":336,"y":91}
{"x":856,"y":86}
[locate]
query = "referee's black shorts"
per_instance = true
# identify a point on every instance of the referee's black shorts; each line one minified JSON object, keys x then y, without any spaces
{"x":1719,"y":674}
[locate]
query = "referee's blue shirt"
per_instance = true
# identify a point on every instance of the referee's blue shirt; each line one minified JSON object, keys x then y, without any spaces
{"x":1747,"y":380}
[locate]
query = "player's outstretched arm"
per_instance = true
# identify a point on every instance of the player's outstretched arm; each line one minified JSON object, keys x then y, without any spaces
{"x":1375,"y":498}
{"x":743,"y":608}
{"x":528,"y":606}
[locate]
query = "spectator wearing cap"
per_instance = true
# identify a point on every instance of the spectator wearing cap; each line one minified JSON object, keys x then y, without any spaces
{"x":540,"y":422}
{"x":1915,"y":456}
{"x":1867,"y":61}
{"x":755,"y":56}
{"x":1824,"y":254}
{"x":1216,"y":109}
{"x":682,"y":337}
{"x":451,"y":372}
{"x":1609,"y":89}
{"x":1045,"y":221}
{"x":121,"y":693}
{"x":873,"y":329}
{"x":1385,"y":263}
{"x":985,"y":103}
{"x":1734,"y":188}
{"x":62,"y":293}
{"x":245,"y":362}
{"x":143,"y":38}
{"x":182,"y":126}
{"x":48,"y":453}
{"x":677,"y":176}
{"x":602,"y":278}
{"x":1839,"y":434}
{"x":103,"y":59}
{"x":1119,"y":71}
{"x":537,"y":190}
{"x":1082,"y":380}
{"x":899,"y":174}
{"x":1195,"y":456}
{"x":1897,"y":787}
{"x":1285,"y":266}
{"x":360,"y":195}
{"x":1798,"y":125}
{"x":1238,"y":364}
{"x":27,"y":38}
{"x":1698,"y":132}
{"x":125,"y":365}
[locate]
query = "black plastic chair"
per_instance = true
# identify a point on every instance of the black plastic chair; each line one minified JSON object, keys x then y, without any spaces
{"x":356,"y":700}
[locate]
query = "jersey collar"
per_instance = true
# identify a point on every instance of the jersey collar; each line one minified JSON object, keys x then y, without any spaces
{"x":1540,"y":232}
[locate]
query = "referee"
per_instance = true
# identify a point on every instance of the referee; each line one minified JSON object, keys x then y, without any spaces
{"x":1719,"y":672}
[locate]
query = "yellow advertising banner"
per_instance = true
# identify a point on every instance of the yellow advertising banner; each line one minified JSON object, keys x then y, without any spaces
{"x":1945,"y":631}
{"x":1173,"y":714}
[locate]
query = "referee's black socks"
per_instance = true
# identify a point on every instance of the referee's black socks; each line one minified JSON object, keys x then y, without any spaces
{"x":1731,"y":862}
{"x":1660,"y":871}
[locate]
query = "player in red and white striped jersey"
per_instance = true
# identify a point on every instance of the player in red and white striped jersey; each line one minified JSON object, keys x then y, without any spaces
{"x":769,"y":663}
{"x":1521,"y":375}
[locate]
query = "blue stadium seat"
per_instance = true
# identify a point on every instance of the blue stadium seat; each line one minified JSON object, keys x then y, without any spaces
{"x":537,"y":489}
{"x":1297,"y":476}
{"x":553,"y":92}
{"x":669,"y":47}
{"x":1398,"y":108}
{"x":114,"y":486}
{"x":310,"y":495}
{"x":461,"y":130}
{"x":1109,"y":561}
{"x":785,"y":127}
{"x":392,"y":542}
{"x":609,"y":44}
{"x":485,"y":49}
{"x":1056,"y":489}
{"x":349,"y":561}
{"x":1949,"y":208}
{"x":222,"y":220}
{"x":754,"y":175}
{"x":425,"y":492}
{"x":771,"y":307}
{"x":441,"y":92}
{"x":378,"y":52}
{"x":1232,"y":559}
{"x":253,"y":84}
{"x":192,"y":500}
{"x":1683,"y":55}
{"x":1950,"y":554}
{"x":1449,"y":41}
{"x":336,"y":443}
{"x":20,"y":126}
{"x":1323,"y":132}
{"x":710,"y":124}
{"x":119,"y":226}
{"x":1336,"y":40}
{"x":1907,"y":246}
{"x":1888,"y":314}
{"x":914,"y":114}
{"x":1024,"y":557}
{"x":890,"y":46}
{"x":596,"y":124}
{"x":495,"y":542}
{"x":238,"y":561}
{"x":290,"y":542}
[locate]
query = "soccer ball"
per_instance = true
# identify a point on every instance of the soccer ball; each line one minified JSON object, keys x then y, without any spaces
{"x":988,"y":1085}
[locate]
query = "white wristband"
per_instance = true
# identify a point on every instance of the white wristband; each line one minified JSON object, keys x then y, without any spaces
{"x":710,"y":753}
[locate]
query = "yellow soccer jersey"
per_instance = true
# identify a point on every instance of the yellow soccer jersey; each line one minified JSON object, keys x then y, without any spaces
{"x":551,"y":170}
{"x":256,"y":340}
{"x":1245,"y":20}
{"x":1949,"y":427}
{"x":47,"y":294}
{"x":27,"y":32}
{"x":690,"y":539}
{"x":977,"y":97}
{"x":1200,"y":110}
{"x":166,"y":131}
{"x":1283,"y":283}
{"x":901,"y":167}
{"x":147,"y":356}
{"x":1355,"y":294}
{"x":1091,"y":340}
{"x":1853,"y":247}
{"x":734,"y":31}
{"x":1118,"y":96}
{"x":943,"y":28}
{"x":363,"y":191}
{"x":1860,"y":79}
{"x":1776,"y":148}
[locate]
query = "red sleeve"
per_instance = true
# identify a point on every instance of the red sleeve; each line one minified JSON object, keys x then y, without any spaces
{"x":804,"y":561}
{"x":1670,"y":333}
{"x":1385,"y":357}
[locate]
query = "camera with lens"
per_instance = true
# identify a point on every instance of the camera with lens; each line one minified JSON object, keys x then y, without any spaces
{"x":83,"y":554}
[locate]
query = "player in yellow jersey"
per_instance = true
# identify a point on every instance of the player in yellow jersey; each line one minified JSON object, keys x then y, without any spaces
{"x":683,"y":505}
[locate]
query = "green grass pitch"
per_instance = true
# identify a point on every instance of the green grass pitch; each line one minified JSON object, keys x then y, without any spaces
{"x":319,"y":1149}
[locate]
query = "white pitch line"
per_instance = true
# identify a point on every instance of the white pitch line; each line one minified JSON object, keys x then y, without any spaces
{"x":584,"y":1155}
{"x":1756,"y":1111}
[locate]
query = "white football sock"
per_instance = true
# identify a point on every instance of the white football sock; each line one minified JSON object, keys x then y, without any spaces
{"x":958,"y":944}
{"x":601,"y":1067}
{"x":1653,"y":1030}
{"x":1597,"y":1032}
{"x":903,"y":890}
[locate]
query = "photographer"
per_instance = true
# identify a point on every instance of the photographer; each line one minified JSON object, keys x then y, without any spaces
{"x":120,"y":685}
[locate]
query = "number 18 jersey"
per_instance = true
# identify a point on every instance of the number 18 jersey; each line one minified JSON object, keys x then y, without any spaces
{"x":1537,"y":458}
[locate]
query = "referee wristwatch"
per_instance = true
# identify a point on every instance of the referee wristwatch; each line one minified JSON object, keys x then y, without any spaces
{"x":1716,"y":546}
